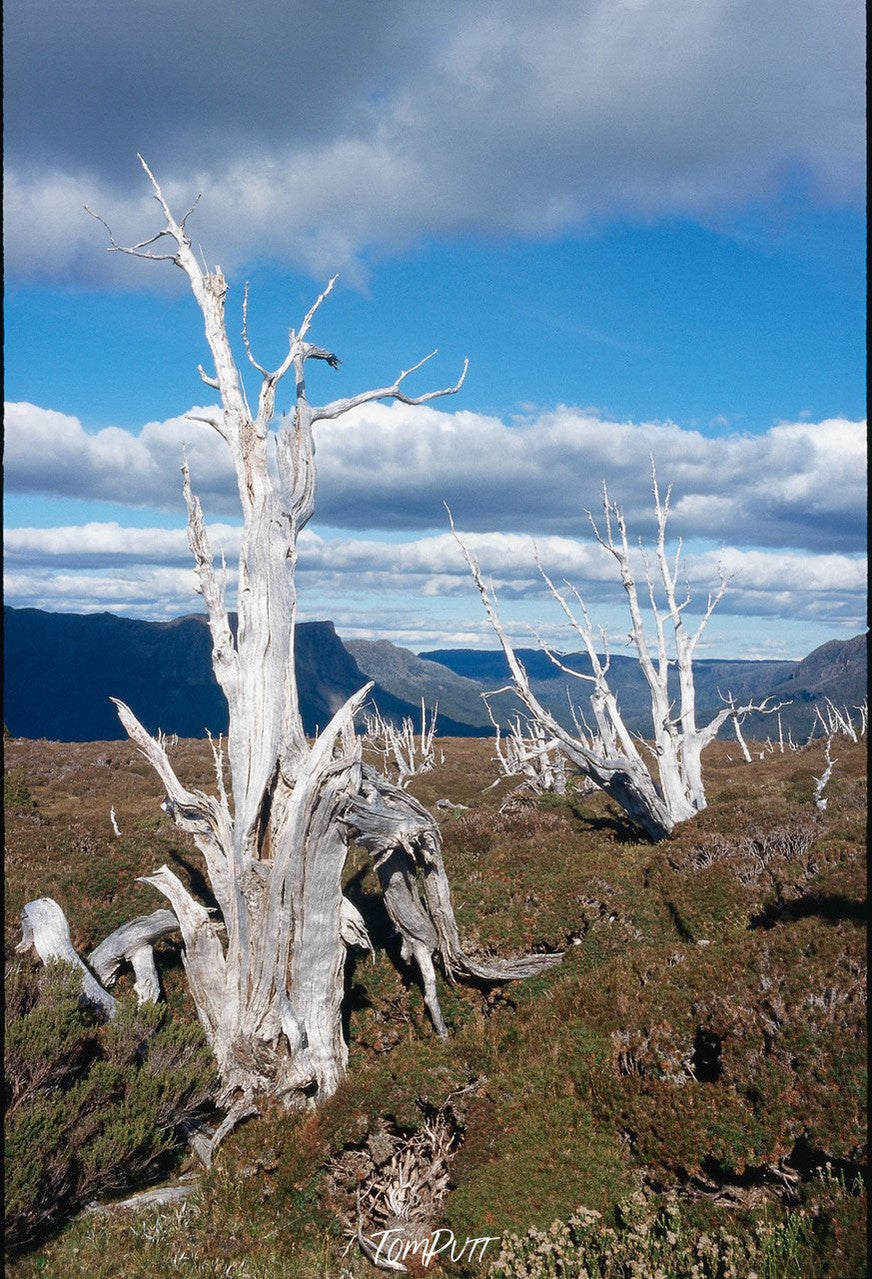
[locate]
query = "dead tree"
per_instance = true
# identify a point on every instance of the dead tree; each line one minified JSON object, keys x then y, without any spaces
{"x":820,"y":799}
{"x":407,"y":751}
{"x":266,"y":969}
{"x":740,"y":738}
{"x":528,"y":754}
{"x":656,"y":798}
{"x":836,"y":722}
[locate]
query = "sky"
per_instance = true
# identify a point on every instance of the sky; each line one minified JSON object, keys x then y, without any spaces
{"x":642,"y":221}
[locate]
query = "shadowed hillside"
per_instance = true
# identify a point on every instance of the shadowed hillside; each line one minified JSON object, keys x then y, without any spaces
{"x":61,"y":670}
{"x":837,"y":670}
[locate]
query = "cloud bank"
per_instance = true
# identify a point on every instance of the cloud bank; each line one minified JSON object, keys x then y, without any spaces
{"x":333,"y":133}
{"x":783,"y":514}
{"x":146,"y":572}
{"x":800,"y":485}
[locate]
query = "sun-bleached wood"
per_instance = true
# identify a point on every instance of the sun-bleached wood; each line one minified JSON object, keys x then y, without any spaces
{"x":265,"y":968}
{"x":610,"y":755}
{"x":134,"y":944}
{"x":45,"y":929}
{"x":410,"y":753}
{"x":836,"y":722}
{"x":820,"y":799}
{"x":527,"y":753}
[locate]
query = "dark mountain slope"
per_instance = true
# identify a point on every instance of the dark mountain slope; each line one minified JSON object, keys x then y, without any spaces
{"x":410,"y":678}
{"x":61,"y":669}
{"x":836,"y":670}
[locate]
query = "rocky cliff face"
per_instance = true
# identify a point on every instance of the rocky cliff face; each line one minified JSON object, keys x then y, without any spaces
{"x":62,"y":668}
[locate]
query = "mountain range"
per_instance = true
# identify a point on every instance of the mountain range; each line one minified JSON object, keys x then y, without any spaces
{"x":61,"y":669}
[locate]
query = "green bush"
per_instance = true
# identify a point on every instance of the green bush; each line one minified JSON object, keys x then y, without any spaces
{"x":648,"y":1243}
{"x":92,"y":1107}
{"x":16,"y":792}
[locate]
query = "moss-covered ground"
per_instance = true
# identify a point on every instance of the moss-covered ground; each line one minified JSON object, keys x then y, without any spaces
{"x":704,"y":1035}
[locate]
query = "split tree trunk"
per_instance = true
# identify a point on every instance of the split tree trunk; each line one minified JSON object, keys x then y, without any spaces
{"x":266,"y":974}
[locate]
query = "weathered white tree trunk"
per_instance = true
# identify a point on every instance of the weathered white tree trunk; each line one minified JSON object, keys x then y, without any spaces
{"x":44,"y":928}
{"x":266,"y":972}
{"x":611,"y":756}
{"x":820,"y":799}
{"x":840,"y":721}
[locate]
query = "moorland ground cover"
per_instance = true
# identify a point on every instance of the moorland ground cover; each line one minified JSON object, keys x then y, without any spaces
{"x":704,"y":1035}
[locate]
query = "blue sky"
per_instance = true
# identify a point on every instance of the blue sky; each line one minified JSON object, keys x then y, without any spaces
{"x":643,"y":223}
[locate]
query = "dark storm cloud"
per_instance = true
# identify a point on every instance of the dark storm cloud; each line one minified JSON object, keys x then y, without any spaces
{"x":89,"y":84}
{"x":320,"y":133}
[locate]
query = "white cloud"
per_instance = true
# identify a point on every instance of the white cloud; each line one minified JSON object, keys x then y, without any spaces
{"x":799,"y":485}
{"x":101,"y":545}
{"x":154,"y":593}
{"x":144,"y":572}
{"x":415,"y":120}
{"x":52,"y":453}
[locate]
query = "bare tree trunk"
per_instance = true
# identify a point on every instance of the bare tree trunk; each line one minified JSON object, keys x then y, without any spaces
{"x":266,"y":974}
{"x":743,"y":745}
{"x":656,"y":800}
{"x":44,"y":928}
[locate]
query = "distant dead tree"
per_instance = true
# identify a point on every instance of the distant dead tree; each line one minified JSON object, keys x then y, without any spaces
{"x":526,"y":752}
{"x":840,"y":722}
{"x":665,"y":788}
{"x":409,"y":751}
{"x":820,"y":799}
{"x":266,"y":968}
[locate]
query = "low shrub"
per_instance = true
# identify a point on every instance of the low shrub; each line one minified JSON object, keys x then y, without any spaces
{"x":16,"y":792}
{"x":92,"y":1107}
{"x":652,"y":1243}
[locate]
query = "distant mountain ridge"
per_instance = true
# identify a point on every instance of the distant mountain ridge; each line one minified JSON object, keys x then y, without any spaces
{"x":409,"y":677}
{"x":61,"y":669}
{"x":836,"y":670}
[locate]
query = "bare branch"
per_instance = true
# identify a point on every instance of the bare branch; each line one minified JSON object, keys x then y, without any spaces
{"x":44,"y":927}
{"x":208,"y":379}
{"x":134,"y":943}
{"x":251,"y":358}
{"x":133,"y":250}
{"x":225,"y":659}
{"x":310,"y":314}
{"x":338,"y":407}
{"x":190,"y":211}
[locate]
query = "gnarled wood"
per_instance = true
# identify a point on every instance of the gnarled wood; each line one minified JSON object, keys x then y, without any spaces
{"x":657,"y":800}
{"x":134,"y":943}
{"x":406,"y":846}
{"x":44,"y":928}
{"x":266,"y":969}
